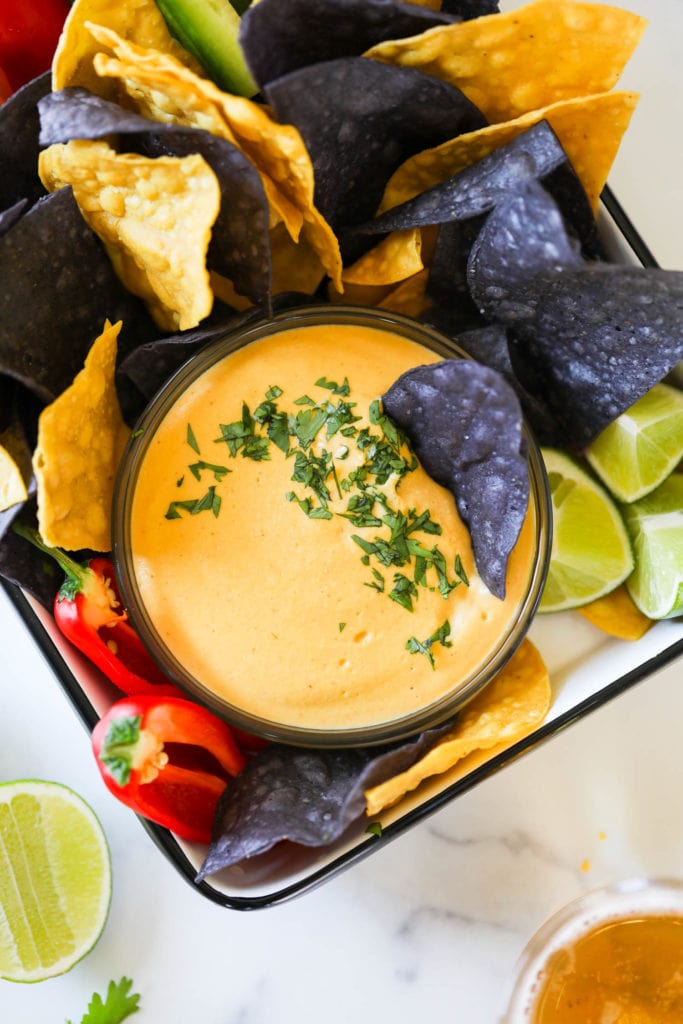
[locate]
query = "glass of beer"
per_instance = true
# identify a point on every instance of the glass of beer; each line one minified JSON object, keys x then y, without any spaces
{"x":614,"y":956}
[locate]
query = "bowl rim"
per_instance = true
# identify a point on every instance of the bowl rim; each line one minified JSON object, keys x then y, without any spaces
{"x":396,"y":729}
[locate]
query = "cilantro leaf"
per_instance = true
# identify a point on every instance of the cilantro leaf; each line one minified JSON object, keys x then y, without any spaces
{"x":118,"y":1004}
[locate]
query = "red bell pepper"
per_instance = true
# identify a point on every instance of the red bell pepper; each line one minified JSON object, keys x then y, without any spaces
{"x":5,"y":88}
{"x":89,"y":613}
{"x":168,"y":759}
{"x":29,"y":31}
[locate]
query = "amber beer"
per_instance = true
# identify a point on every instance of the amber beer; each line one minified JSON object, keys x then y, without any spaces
{"x":614,"y":956}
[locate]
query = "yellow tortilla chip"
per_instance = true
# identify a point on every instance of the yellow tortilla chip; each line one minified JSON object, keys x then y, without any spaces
{"x":509,"y":708}
{"x":296,"y":268}
{"x":359,"y":294}
{"x":409,"y":297}
{"x":296,"y":265}
{"x":164,"y":90}
{"x":140,"y":21}
{"x":617,"y":615}
{"x":395,"y":258}
{"x":81,"y":437}
{"x":154,"y":217}
{"x":511,"y":63}
{"x":15,"y":469}
{"x":590,"y":130}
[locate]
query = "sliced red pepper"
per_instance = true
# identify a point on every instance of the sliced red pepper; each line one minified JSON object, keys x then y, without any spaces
{"x":5,"y":87}
{"x":89,"y":613}
{"x":29,"y":32}
{"x":168,"y":759}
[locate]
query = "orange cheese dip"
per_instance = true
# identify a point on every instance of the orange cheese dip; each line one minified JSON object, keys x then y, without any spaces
{"x":282,"y":614}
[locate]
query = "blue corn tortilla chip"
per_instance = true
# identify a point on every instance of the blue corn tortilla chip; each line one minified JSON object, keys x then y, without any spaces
{"x":240,"y":241}
{"x":447,"y":284}
{"x":303,"y":796}
{"x":22,"y":564}
{"x":11,"y":215}
{"x":535,"y":154}
{"x":279,"y":36}
{"x":490,"y":345}
{"x":468,"y":9}
{"x":465,"y":424}
{"x":590,"y":342}
{"x":19,"y":144}
{"x":359,"y":120}
{"x":522,"y":237}
{"x":58,"y":287}
{"x":145,"y":369}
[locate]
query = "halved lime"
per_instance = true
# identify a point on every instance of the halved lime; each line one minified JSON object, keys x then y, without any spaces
{"x":636,"y":452}
{"x":591,"y":552}
{"x":55,"y":879}
{"x":656,"y":527}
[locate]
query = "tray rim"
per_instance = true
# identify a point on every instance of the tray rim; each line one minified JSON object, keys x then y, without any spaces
{"x":166,"y":841}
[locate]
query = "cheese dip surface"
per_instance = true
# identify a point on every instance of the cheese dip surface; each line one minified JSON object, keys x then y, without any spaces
{"x":290,"y":552}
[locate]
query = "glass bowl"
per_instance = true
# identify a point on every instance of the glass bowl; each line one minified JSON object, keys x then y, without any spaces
{"x":332,"y":732}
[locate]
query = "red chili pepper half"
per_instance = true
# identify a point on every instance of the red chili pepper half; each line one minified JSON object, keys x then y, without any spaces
{"x":5,"y":88}
{"x":168,"y":759}
{"x":89,"y":613}
{"x":29,"y":31}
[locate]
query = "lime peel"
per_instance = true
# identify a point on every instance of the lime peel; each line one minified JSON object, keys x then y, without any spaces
{"x":655,"y":524}
{"x":639,"y":450}
{"x":591,"y":552}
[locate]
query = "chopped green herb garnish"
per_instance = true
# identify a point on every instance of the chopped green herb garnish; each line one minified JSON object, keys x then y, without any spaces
{"x":403,"y":591}
{"x":191,"y":439}
{"x":241,"y":436}
{"x":441,"y":635}
{"x":378,"y":581}
{"x":374,"y":828}
{"x":331,"y":385}
{"x":218,"y":471}
{"x":342,"y":627}
{"x":459,"y":570}
{"x":209,"y":501}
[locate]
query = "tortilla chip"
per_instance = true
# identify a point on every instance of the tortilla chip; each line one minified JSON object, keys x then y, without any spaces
{"x":409,"y":297}
{"x":617,"y":615}
{"x":278,"y":38}
{"x":296,"y":265}
{"x":359,"y":294}
{"x":590,"y":129}
{"x":510,"y":64}
{"x":81,"y":437}
{"x":395,"y":258}
{"x":140,"y":21}
{"x":164,"y":90}
{"x":14,"y":472}
{"x":154,"y":217}
{"x":509,"y":708}
{"x":296,"y":268}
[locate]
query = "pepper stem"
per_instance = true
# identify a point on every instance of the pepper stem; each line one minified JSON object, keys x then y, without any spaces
{"x":77,"y":576}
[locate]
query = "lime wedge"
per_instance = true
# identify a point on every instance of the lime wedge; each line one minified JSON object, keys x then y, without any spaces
{"x":656,"y":527}
{"x":642,"y":446}
{"x":55,"y":879}
{"x":591,"y":552}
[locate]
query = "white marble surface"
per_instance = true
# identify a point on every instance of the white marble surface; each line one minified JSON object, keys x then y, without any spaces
{"x":433,"y":923}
